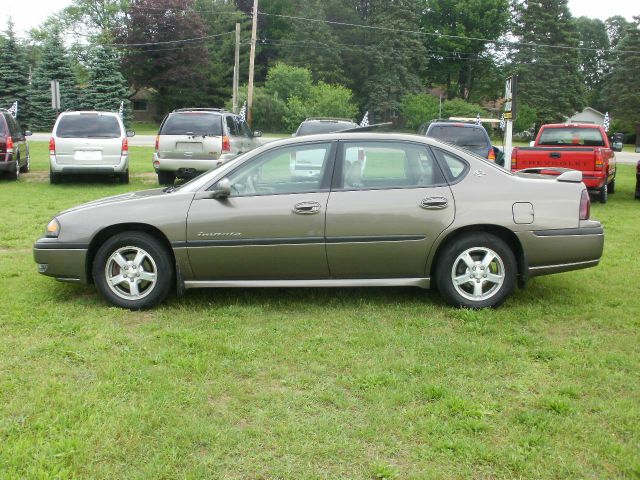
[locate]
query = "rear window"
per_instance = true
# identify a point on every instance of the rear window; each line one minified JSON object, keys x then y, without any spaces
{"x":313,"y":128}
{"x":586,"y":137}
{"x":461,"y":136}
{"x":192,"y":124}
{"x":89,"y":125}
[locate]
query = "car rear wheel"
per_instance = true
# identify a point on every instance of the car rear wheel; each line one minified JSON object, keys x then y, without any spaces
{"x":15,"y":174}
{"x":124,"y":177}
{"x":166,"y":178}
{"x":26,"y":167}
{"x":54,"y":178}
{"x":603,"y":194}
{"x":612,"y":186}
{"x":133,"y":270}
{"x":477,"y":270}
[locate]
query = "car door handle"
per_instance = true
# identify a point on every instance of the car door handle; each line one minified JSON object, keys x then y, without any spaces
{"x":555,"y":155}
{"x":434,"y":203}
{"x":306,"y":208}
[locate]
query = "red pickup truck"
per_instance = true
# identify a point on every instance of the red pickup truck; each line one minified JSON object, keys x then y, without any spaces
{"x":580,"y":147}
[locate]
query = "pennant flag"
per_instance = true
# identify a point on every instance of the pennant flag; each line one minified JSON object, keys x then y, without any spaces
{"x":13,"y":110}
{"x":365,"y":120}
{"x":503,"y":124}
{"x":606,"y":122}
{"x":243,"y":112}
{"x":478,"y":122}
{"x":121,"y":110}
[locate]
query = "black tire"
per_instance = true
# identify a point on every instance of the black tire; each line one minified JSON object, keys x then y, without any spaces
{"x":603,"y":194}
{"x":479,"y":246}
{"x":16,"y":173}
{"x":54,"y":178}
{"x":27,"y":165}
{"x":157,"y":260}
{"x":166,"y":178}
{"x":612,"y":186}
{"x":124,"y":177}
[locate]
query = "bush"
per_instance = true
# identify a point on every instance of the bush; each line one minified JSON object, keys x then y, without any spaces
{"x":418,"y":108}
{"x":324,"y":101}
{"x":285,"y":81}
{"x":459,"y":108}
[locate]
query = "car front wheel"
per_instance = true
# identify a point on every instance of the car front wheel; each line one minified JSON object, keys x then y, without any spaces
{"x":477,"y":270}
{"x":133,"y":270}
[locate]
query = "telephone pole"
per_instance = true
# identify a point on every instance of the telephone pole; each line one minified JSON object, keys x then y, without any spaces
{"x":254,"y":29}
{"x":236,"y":70}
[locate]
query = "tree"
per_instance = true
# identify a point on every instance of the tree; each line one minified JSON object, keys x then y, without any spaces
{"x":14,"y":75}
{"x":459,"y":108}
{"x":324,"y":101}
{"x":624,"y":84}
{"x":98,"y":18}
{"x":170,"y":61}
{"x":594,"y":58}
{"x":54,"y":65}
{"x":616,"y":28}
{"x":106,"y":87}
{"x":285,"y":81}
{"x":549,"y":77}
{"x":418,"y":108}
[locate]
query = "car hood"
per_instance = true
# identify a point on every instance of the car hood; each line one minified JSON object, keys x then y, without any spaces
{"x":124,"y":197}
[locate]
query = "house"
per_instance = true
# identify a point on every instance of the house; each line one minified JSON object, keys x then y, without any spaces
{"x":144,"y":107}
{"x":588,"y":115}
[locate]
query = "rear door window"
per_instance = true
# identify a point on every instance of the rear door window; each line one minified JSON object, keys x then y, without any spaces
{"x":192,"y":123}
{"x":584,"y":137}
{"x":454,"y":167}
{"x":232,"y":126}
{"x":89,"y":125}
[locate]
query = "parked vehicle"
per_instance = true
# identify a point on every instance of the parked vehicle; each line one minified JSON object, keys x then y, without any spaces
{"x":420,"y":213}
{"x":638,"y":180}
{"x":470,"y":136}
{"x":193,"y":140}
{"x":314,"y":126}
{"x":89,"y":143}
{"x":14,"y":150}
{"x":617,"y":142}
{"x":582,"y":147}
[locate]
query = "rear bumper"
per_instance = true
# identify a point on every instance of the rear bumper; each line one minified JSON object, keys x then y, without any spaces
{"x":63,"y":261}
{"x":9,"y":165}
{"x":182,"y":164}
{"x":555,"y":251}
{"x":80,"y":168}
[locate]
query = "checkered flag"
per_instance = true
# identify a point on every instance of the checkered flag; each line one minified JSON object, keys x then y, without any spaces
{"x":503,"y":123}
{"x":478,"y":122}
{"x":606,"y":122}
{"x":13,"y":109}
{"x":243,"y":112}
{"x":121,"y":110}
{"x":365,"y":120}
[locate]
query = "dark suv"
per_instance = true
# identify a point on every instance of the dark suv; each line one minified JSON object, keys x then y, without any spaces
{"x":313,"y":126}
{"x":470,"y":136}
{"x":14,"y":151}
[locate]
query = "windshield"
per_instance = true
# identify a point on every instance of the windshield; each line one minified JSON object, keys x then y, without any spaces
{"x":192,"y":123}
{"x":586,"y":137}
{"x":462,"y":136}
{"x":88,"y":125}
{"x":312,"y":128}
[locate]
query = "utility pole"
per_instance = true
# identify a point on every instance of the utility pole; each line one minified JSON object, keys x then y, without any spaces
{"x":236,"y":70}
{"x":254,"y":29}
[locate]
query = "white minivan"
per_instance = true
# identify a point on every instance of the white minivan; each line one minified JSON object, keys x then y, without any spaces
{"x":89,"y":143}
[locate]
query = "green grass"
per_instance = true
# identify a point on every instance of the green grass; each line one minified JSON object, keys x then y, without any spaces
{"x":145,"y":128}
{"x":304,"y":384}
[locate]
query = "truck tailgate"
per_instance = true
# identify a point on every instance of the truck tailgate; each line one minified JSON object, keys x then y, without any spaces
{"x":575,"y":158}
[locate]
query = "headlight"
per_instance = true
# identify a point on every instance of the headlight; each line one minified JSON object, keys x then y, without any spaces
{"x":53,"y":228}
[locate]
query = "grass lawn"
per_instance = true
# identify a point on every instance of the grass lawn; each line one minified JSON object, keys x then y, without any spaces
{"x":305,"y":384}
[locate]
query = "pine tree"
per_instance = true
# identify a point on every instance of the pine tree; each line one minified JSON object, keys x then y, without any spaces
{"x":549,"y":78}
{"x":623,"y":85}
{"x":54,"y":65}
{"x":106,"y":87}
{"x":14,"y":76}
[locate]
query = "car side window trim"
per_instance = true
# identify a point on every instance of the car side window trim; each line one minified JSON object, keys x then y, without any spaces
{"x":338,"y":177}
{"x":325,"y":181}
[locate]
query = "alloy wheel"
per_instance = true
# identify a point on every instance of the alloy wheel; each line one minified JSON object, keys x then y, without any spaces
{"x":478,"y":273}
{"x":131,"y":273}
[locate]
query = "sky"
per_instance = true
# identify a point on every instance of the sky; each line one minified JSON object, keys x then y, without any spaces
{"x":28,"y":14}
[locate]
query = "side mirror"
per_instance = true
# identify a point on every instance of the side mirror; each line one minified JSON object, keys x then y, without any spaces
{"x":257,"y":133}
{"x":131,"y":133}
{"x":223,"y":189}
{"x":27,"y":133}
{"x":532,"y":143}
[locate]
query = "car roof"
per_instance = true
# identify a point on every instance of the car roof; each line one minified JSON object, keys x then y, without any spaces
{"x":455,"y":123}
{"x":335,"y":120}
{"x":216,"y":111}
{"x":91,"y":112}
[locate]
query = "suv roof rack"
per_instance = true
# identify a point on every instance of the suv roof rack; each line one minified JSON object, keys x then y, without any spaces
{"x":200,"y":110}
{"x":329,"y":119}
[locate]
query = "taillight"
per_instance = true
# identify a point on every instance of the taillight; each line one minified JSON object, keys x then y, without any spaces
{"x":514,"y":159}
{"x":52,"y":146}
{"x":9,"y":145}
{"x":599,"y":159}
{"x":125,"y":146}
{"x":157,"y":142}
{"x":492,"y":155}
{"x":585,"y":205}
{"x":226,"y":144}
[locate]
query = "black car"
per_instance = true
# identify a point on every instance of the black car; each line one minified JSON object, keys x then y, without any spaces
{"x":313,"y":126}
{"x":14,"y":151}
{"x":470,"y":136}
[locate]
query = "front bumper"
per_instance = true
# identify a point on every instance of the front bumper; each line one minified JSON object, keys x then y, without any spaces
{"x":562,"y":250}
{"x":61,"y":260}
{"x":79,"y":169}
